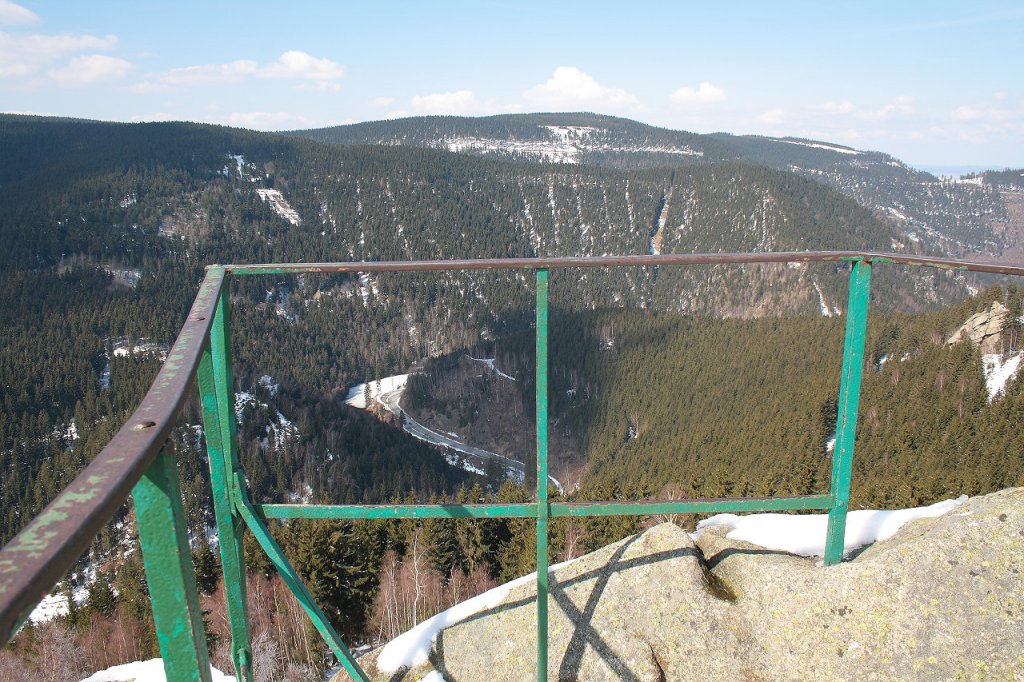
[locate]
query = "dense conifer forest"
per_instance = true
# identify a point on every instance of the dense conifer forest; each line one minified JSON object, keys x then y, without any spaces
{"x":665,"y":381}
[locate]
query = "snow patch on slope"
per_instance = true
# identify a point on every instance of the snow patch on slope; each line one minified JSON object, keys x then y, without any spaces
{"x":279,"y":204}
{"x":999,"y":370}
{"x":566,"y":145}
{"x":490,"y":363}
{"x":818,"y":145}
{"x":356,"y":396}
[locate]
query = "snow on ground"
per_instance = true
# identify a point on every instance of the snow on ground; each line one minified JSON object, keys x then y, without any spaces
{"x":881,"y":362}
{"x":279,"y":204}
{"x":241,"y":400}
{"x":490,"y":363}
{"x":122,"y":348}
{"x":412,"y":648}
{"x":267,"y":382}
{"x":566,"y":145}
{"x":128,"y":277}
{"x":565,"y":133}
{"x":999,"y":370}
{"x":978,"y":181}
{"x":145,"y":671}
{"x":817,"y":145}
{"x":52,"y":606}
{"x":823,"y":304}
{"x":433,"y":676}
{"x":805,"y":535}
{"x":356,"y":396}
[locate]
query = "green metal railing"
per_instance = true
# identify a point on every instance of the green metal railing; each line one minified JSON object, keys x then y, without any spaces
{"x":33,"y":562}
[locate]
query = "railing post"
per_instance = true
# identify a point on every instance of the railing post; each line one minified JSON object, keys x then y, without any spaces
{"x":849,"y":398}
{"x":169,"y":572}
{"x":542,"y":475}
{"x":221,"y":458}
{"x":216,"y":386}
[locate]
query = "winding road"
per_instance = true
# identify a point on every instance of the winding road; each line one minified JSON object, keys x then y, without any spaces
{"x":515,"y":469}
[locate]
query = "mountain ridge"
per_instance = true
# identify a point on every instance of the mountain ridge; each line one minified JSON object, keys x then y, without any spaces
{"x":955,"y":217}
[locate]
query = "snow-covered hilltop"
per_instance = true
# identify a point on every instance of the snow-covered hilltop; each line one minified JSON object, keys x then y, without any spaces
{"x":566,"y":144}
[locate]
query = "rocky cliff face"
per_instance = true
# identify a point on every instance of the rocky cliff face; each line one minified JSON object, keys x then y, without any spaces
{"x":983,"y":329}
{"x":942,"y":600}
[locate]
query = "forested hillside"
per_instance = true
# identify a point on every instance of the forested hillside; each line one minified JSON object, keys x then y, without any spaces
{"x":950,"y":217}
{"x":708,"y":408}
{"x":714,"y":380}
{"x":109,"y":226}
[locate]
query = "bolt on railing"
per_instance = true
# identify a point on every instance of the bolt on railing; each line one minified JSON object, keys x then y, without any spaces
{"x":32,"y":563}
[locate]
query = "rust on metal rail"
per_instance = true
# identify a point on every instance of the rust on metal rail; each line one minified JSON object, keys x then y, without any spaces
{"x":619,"y":261}
{"x":43,"y":551}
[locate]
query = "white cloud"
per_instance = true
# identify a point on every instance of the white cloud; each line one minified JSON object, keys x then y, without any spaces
{"x":295,"y":64}
{"x":1001,"y":95}
{"x":319,"y":86}
{"x":209,"y":74}
{"x":26,"y":112}
{"x":382,"y":101}
{"x":984,"y":113}
{"x":772,"y":117}
{"x":93,"y":68}
{"x":291,"y":65}
{"x":837,"y":107}
{"x":398,"y":113}
{"x":261,"y":119}
{"x":901,"y":106}
{"x":569,"y":87}
{"x":706,"y":93}
{"x":155,"y":116}
{"x":16,"y":14}
{"x":966,"y":113}
{"x":24,"y":55}
{"x":459,"y":102}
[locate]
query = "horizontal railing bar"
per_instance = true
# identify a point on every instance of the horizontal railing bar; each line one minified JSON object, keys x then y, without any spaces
{"x":38,"y":556}
{"x":692,"y":506}
{"x":619,"y":261}
{"x":397,"y":511}
{"x":495,"y":511}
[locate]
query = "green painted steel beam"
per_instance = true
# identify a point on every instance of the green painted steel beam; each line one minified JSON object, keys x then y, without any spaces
{"x":229,"y":523}
{"x":691,"y":506}
{"x":849,"y":399}
{"x":542,"y":475}
{"x":294,"y":582}
{"x":169,"y":572}
{"x":398,"y":511}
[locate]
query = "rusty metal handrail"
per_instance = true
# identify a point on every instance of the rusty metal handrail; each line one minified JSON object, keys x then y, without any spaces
{"x":619,"y":261}
{"x":38,"y":556}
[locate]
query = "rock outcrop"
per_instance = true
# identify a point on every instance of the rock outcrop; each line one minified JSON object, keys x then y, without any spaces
{"x":983,"y":329}
{"x":942,"y":600}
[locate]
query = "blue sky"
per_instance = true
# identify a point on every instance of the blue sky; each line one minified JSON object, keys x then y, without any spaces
{"x":933,"y":83}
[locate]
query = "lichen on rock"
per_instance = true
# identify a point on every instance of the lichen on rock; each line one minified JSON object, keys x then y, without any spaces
{"x":942,"y":599}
